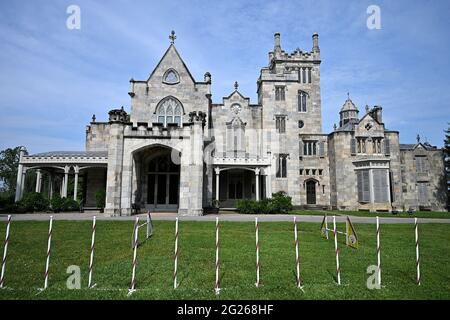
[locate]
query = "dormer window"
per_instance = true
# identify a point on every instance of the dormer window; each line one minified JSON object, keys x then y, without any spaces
{"x":171,"y":77}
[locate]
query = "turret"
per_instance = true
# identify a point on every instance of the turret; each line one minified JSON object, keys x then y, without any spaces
{"x":348,"y":113}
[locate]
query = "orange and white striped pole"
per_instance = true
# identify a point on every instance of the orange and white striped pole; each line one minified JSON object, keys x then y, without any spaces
{"x":257,"y":253}
{"x":5,"y":253}
{"x":338,"y":270}
{"x":416,"y":227}
{"x":297,"y":259}
{"x":175,"y":257}
{"x":49,"y":243}
{"x":217,"y":288}
{"x":91,"y":259}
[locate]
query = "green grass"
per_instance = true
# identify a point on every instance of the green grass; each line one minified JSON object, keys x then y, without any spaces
{"x":112,"y":268}
{"x":418,"y":214}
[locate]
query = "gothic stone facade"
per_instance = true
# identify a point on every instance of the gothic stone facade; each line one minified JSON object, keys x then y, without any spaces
{"x":177,"y":150}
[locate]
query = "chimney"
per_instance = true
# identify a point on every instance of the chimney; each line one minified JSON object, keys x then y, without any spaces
{"x":315,"y":38}
{"x":277,"y":47}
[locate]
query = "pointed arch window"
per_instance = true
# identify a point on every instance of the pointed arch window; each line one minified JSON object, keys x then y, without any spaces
{"x":171,"y":77}
{"x":302,"y":101}
{"x":169,"y":111}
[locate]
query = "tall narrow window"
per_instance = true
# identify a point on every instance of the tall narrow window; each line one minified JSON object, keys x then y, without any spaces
{"x":302,"y":98}
{"x":280,"y":124}
{"x":304,"y":75}
{"x":309,"y":148}
{"x":420,"y":164}
{"x":309,"y":75}
{"x":279,"y":93}
{"x":363,"y":185}
{"x":281,"y":166}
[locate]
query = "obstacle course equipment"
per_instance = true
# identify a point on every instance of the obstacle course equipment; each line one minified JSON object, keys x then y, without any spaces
{"x":91,"y":258}
{"x":5,"y":252}
{"x":217,"y":287}
{"x":351,"y":237}
{"x":297,"y":259}
{"x":148,"y":224}
{"x":257,"y":284}
{"x":175,"y":256}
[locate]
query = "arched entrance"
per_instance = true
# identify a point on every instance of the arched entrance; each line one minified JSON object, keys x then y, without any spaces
{"x":311,"y":192}
{"x":158,"y":179}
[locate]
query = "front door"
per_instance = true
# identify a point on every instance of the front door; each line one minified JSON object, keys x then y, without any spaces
{"x":163,"y":184}
{"x":311,"y":192}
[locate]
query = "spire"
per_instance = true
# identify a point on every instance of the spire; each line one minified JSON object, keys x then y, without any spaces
{"x":172,"y":37}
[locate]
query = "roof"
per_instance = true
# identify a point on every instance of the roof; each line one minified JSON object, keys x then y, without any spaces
{"x":410,"y":146}
{"x":349,"y":106}
{"x":71,"y":154}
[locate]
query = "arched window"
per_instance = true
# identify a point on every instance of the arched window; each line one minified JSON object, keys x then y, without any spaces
{"x":302,"y":101}
{"x":171,"y":77}
{"x":169,"y":111}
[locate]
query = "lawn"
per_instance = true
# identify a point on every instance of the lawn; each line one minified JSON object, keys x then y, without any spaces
{"x":112,"y":267}
{"x":417,"y":214}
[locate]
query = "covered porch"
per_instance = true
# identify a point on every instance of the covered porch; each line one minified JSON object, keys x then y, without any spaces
{"x":77,"y":175}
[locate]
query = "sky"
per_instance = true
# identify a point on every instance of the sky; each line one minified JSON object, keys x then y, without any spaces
{"x":53,"y":79}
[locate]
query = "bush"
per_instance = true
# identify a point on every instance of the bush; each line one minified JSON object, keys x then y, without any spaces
{"x":280,"y":203}
{"x":57,"y":203}
{"x":100,"y":199}
{"x":33,"y":201}
{"x":70,"y":205}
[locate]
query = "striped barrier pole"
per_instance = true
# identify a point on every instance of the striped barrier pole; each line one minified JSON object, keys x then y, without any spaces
{"x":91,"y":260}
{"x":217,"y":257}
{"x":135,"y":245}
{"x":47,"y":263}
{"x":378,"y":252}
{"x":257,"y":252}
{"x":5,"y":252}
{"x":416,"y":224}
{"x":326,"y":226}
{"x":297,"y":260}
{"x":338,"y":270}
{"x":175,"y":257}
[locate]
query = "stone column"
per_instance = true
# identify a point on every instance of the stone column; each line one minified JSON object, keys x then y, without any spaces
{"x":65,"y":181}
{"x":117,"y":120}
{"x":20,"y":181}
{"x":217,"y":170}
{"x":38,"y":180}
{"x":75,"y":185}
{"x":22,"y":187}
{"x":50,"y":186}
{"x":257,"y":171}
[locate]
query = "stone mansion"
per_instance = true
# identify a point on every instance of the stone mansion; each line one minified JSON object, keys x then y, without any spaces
{"x":177,"y":150}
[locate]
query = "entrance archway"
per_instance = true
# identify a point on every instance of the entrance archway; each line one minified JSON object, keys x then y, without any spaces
{"x":158,"y":179}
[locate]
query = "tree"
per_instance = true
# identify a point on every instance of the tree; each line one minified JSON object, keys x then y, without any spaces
{"x":9,"y":162}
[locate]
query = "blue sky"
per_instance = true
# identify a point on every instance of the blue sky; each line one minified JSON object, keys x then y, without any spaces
{"x":53,"y":79}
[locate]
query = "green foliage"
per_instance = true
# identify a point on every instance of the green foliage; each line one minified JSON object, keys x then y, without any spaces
{"x":70,"y":205}
{"x":33,"y":201}
{"x":280,"y":203}
{"x":9,"y":162}
{"x":57,"y":203}
{"x":100,"y":198}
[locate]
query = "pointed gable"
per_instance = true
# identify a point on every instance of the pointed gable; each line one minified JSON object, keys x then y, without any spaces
{"x":170,"y":65}
{"x":368,"y":126}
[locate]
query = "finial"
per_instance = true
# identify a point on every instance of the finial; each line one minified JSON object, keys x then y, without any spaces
{"x":236,"y":85}
{"x":367,"y":108}
{"x":348,"y":95}
{"x":121,"y":109}
{"x":418,"y":138}
{"x":93,"y":118}
{"x":172,"y":37}
{"x":335,"y":127}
